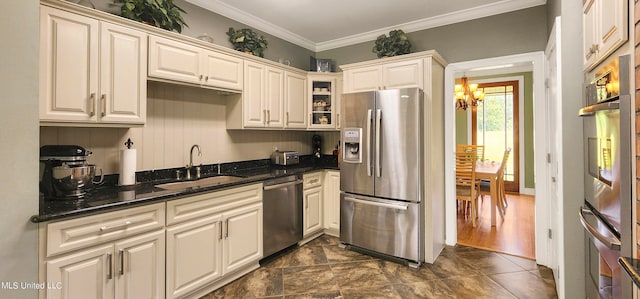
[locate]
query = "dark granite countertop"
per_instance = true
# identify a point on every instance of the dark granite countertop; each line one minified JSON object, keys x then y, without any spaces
{"x":632,"y":267}
{"x":110,"y":197}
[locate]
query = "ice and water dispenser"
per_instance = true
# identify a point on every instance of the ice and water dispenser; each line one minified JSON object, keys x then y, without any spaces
{"x":352,"y":145}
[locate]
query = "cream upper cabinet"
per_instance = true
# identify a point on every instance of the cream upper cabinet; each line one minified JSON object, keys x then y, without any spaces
{"x":604,"y":25}
{"x":274,"y":97}
{"x":253,"y":109}
{"x":384,"y":75}
{"x":295,"y":100}
{"x":91,"y":72}
{"x":331,"y":202}
{"x":183,"y":63}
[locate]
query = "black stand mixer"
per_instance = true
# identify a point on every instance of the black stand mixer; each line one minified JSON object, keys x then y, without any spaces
{"x":65,"y":173}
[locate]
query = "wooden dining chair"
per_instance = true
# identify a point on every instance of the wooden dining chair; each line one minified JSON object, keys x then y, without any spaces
{"x":478,"y":149}
{"x":485,"y":186}
{"x":466,"y":183}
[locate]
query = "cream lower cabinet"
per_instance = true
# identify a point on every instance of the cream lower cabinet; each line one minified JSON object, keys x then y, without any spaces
{"x":212,"y":235}
{"x":383,"y":74}
{"x":331,"y":192}
{"x":93,"y":268}
{"x":312,"y":204}
{"x":91,"y":72}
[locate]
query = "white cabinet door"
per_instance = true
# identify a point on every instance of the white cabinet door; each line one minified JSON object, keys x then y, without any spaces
{"x":221,"y":70}
{"x":242,"y":237}
{"x":332,"y":201}
{"x":402,"y":74}
{"x":139,"y":266}
{"x":589,"y":35}
{"x":253,"y":94}
{"x":193,"y":256}
{"x":274,"y":97}
{"x":312,"y":212}
{"x":83,"y":274}
{"x":363,"y":79}
{"x":338,"y":101}
{"x":295,"y":100}
{"x":123,"y":69}
{"x":68,"y":66}
{"x":173,"y":60}
{"x":612,"y":26}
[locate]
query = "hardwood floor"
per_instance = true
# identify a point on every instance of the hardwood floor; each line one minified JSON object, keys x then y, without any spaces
{"x":514,"y":235}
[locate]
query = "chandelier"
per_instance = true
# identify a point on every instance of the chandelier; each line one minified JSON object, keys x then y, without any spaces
{"x":467,"y":94}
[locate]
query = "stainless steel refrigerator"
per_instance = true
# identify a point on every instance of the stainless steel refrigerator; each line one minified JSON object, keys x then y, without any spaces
{"x":381,"y":172}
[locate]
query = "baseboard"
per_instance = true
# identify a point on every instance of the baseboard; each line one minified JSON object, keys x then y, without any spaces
{"x":528,"y":191}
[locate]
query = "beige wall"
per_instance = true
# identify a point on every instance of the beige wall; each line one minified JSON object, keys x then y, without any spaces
{"x":516,"y":32}
{"x":203,"y":21}
{"x":19,"y":145}
{"x":178,"y":117}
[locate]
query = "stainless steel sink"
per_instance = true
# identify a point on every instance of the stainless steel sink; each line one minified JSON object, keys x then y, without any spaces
{"x":206,"y":182}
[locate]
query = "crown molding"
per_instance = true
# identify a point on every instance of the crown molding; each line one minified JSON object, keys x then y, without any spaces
{"x":231,"y":12}
{"x":253,"y":21}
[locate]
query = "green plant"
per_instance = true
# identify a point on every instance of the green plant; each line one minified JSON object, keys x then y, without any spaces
{"x":397,"y":43}
{"x":246,"y":40}
{"x":159,"y":13}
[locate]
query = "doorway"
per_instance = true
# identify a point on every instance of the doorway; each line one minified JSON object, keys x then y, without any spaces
{"x":534,"y":62}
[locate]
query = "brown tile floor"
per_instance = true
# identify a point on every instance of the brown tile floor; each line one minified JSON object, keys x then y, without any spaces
{"x":320,"y":269}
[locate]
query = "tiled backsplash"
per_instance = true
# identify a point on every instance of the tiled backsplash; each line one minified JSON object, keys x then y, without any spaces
{"x":178,"y":117}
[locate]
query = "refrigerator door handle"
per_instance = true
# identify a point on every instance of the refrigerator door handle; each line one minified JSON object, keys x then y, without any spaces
{"x":377,"y":148}
{"x":399,"y":206}
{"x":369,"y":121}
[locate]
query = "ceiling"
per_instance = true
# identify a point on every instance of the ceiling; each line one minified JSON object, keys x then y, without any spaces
{"x":328,"y":24}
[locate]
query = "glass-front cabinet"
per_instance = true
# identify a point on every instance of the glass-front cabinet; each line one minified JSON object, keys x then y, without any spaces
{"x":324,"y":106}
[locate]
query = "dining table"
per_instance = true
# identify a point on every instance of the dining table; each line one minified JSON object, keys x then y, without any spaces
{"x":489,"y":170}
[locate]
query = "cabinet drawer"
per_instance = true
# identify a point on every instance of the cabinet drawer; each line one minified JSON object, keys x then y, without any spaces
{"x":75,"y":233}
{"x":312,"y":180}
{"x":192,"y":207}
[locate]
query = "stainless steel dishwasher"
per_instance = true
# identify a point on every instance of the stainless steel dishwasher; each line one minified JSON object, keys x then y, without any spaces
{"x":282,"y":213}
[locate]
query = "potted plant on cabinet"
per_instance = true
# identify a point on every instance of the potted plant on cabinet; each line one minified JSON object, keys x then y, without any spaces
{"x":245,"y":40}
{"x":397,"y":43}
{"x":160,"y":13}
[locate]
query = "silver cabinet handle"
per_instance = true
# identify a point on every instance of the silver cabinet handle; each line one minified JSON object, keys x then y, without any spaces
{"x":105,"y":228}
{"x":612,"y":243}
{"x":103,"y":101}
{"x":268,"y":116}
{"x":338,"y":120}
{"x":220,"y":235}
{"x":121,"y":257}
{"x":206,"y":78}
{"x":200,"y":77}
{"x":109,"y":266}
{"x":267,"y":188}
{"x":377,"y":148}
{"x":264,"y":113}
{"x":403,"y":207}
{"x":287,"y":120}
{"x":92,"y":104}
{"x":306,"y":204}
{"x":369,"y":121}
{"x":226,"y":233}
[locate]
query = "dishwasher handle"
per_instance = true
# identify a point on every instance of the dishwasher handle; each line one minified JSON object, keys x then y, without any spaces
{"x":296,"y":182}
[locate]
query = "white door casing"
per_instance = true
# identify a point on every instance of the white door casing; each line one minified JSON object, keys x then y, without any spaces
{"x":554,"y":148}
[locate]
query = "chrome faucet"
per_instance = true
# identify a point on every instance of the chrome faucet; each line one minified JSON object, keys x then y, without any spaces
{"x":190,"y":165}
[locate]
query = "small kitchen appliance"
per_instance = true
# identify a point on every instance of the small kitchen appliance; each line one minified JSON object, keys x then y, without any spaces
{"x":65,"y":173}
{"x":285,"y":157}
{"x":316,"y":143}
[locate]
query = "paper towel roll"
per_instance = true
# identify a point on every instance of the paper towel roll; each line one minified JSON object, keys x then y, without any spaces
{"x":127,"y":167}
